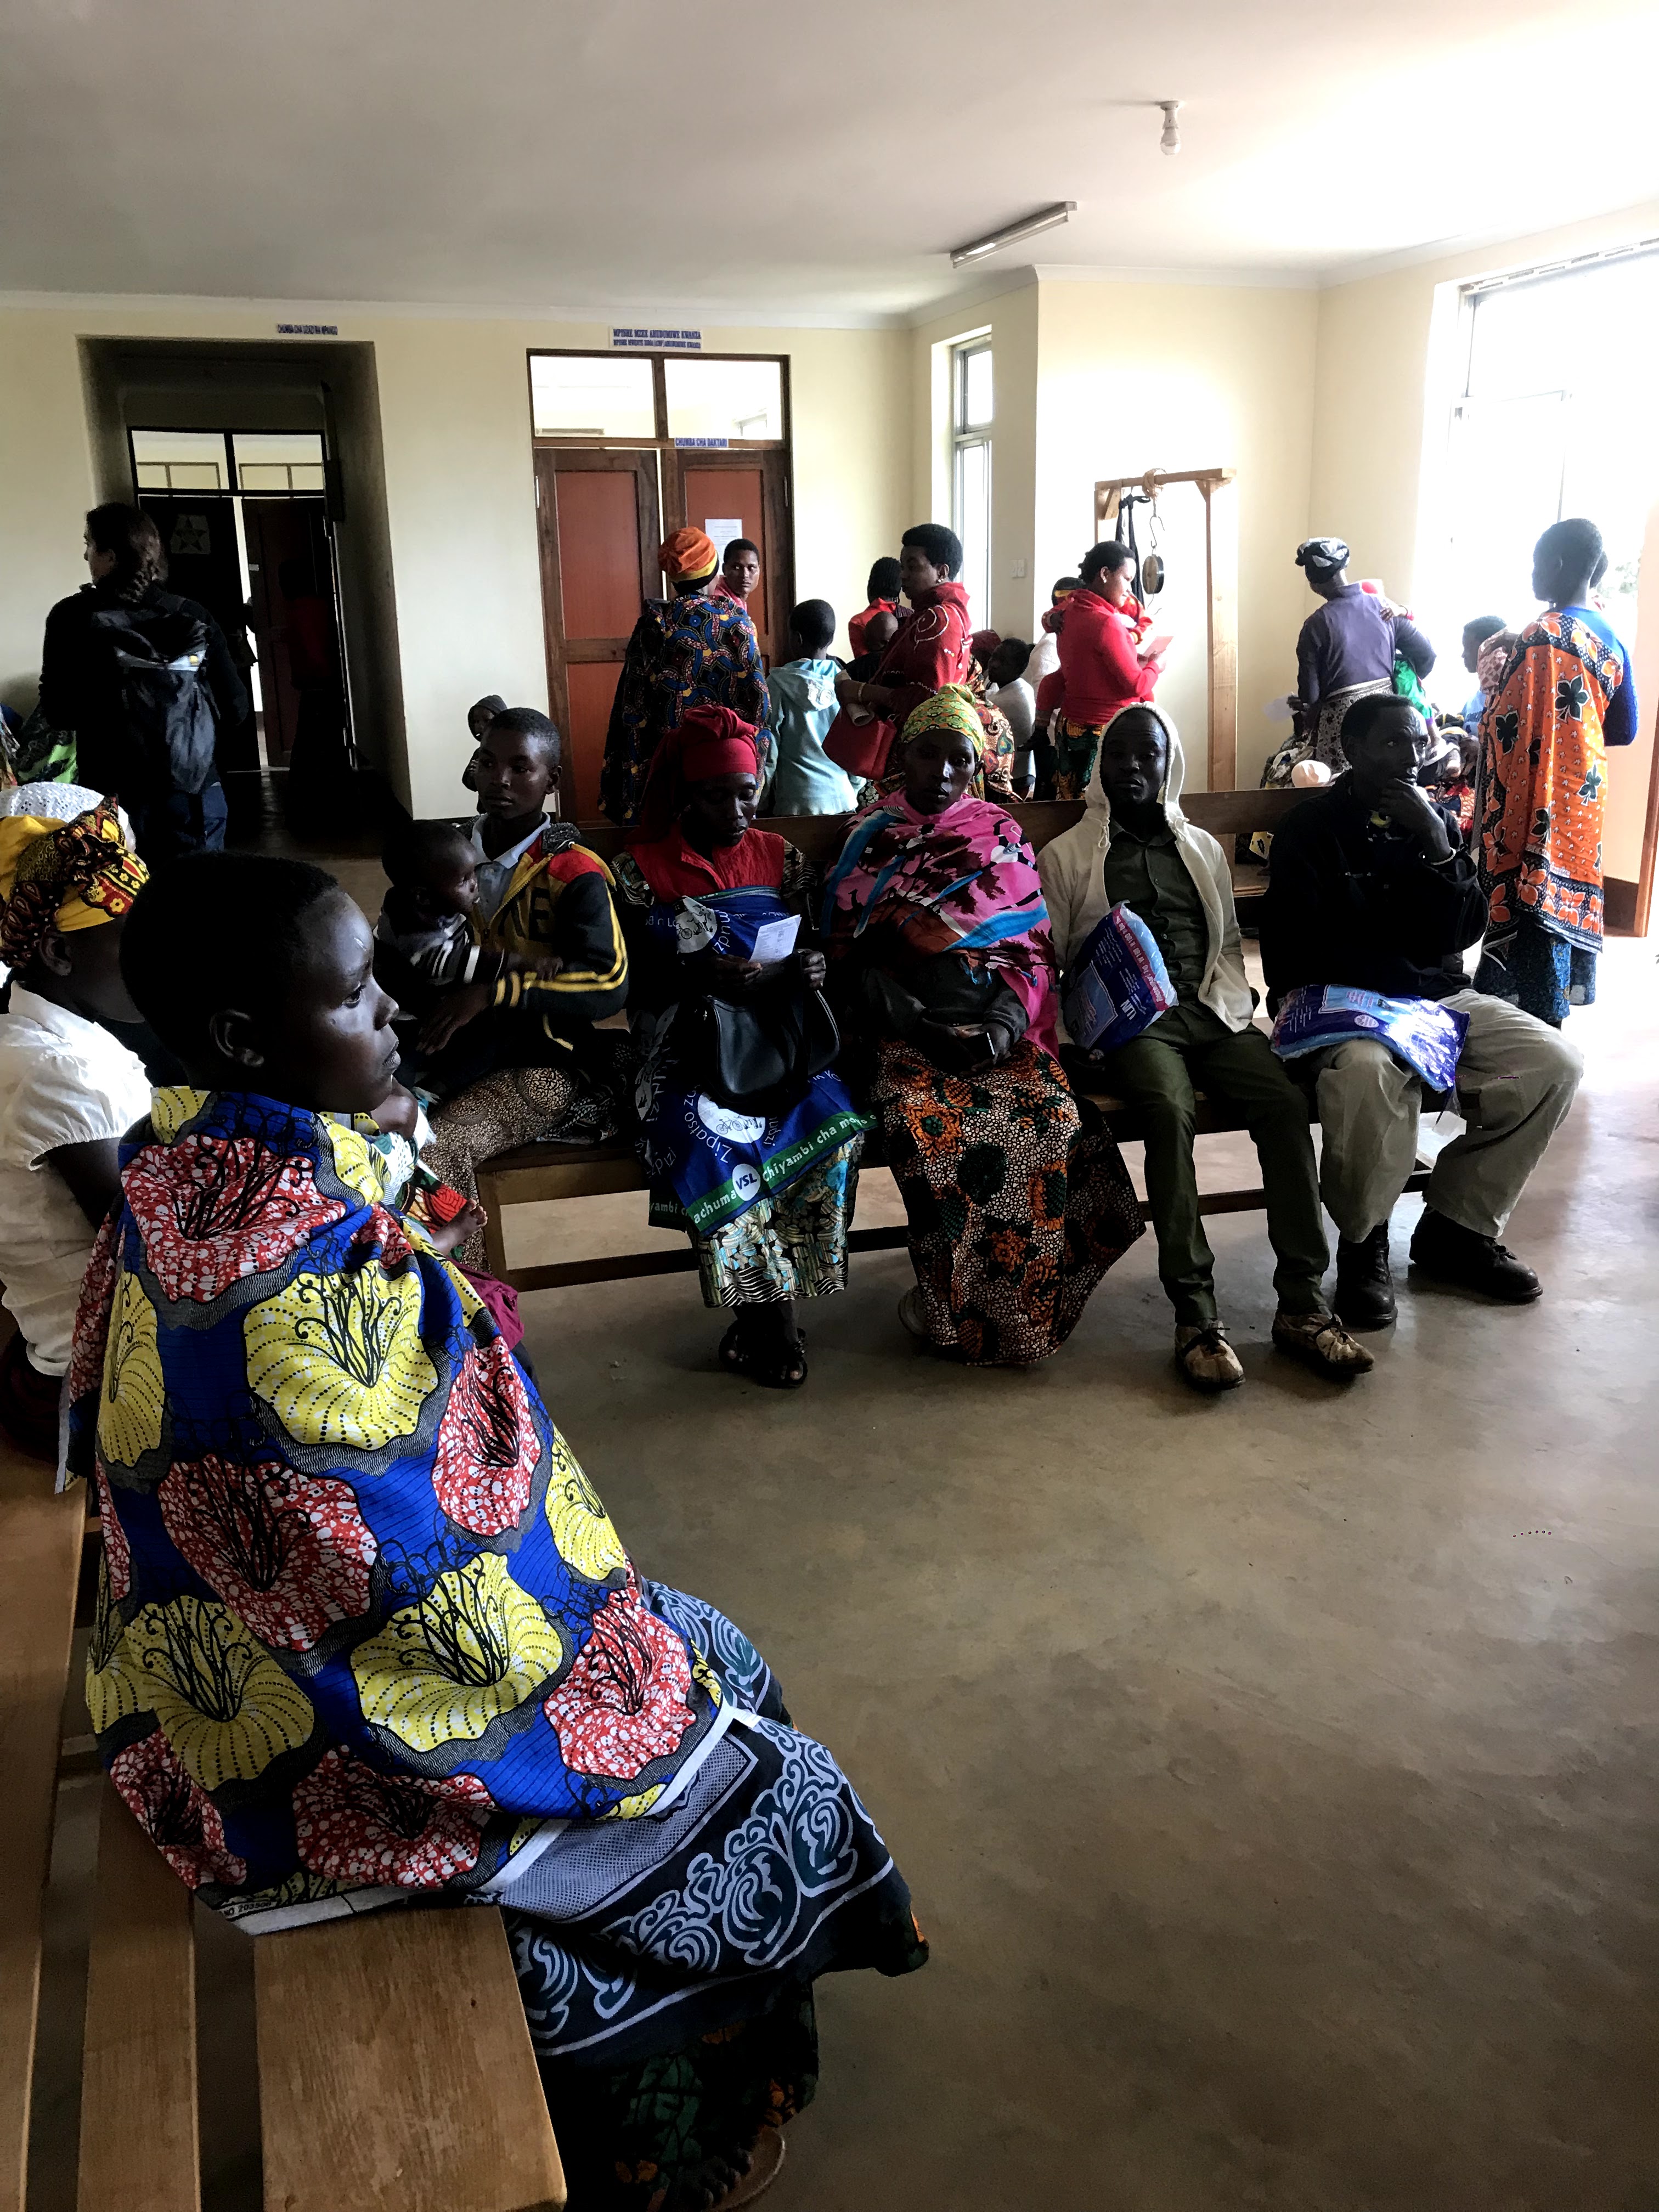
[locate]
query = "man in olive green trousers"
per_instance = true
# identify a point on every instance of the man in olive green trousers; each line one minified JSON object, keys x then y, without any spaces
{"x":1135,"y":848}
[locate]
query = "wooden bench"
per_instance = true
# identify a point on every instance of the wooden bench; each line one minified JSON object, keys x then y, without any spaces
{"x":535,"y":1174}
{"x":395,"y":2068}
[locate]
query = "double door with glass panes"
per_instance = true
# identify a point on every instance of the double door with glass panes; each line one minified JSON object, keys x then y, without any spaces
{"x":627,"y":449}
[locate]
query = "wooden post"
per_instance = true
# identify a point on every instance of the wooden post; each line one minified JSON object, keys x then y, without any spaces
{"x":1221,"y":583}
{"x":1221,"y":567}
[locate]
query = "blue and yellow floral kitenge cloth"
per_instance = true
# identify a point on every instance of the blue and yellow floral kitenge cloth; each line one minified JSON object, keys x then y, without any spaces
{"x":362,"y":1624}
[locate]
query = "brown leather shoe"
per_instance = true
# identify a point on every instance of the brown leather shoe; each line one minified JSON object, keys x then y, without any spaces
{"x":1206,"y":1359}
{"x":1319,"y":1341}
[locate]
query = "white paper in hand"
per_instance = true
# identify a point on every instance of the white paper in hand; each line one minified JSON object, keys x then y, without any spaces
{"x":775,"y":940}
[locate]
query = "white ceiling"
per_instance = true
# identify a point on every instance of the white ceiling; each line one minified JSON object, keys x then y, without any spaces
{"x":754,"y":160}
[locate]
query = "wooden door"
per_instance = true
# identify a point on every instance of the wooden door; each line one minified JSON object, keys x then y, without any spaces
{"x":288,"y":560}
{"x":753,"y":487}
{"x":598,"y":518}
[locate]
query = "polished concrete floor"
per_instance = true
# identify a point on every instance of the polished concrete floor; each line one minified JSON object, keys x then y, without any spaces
{"x":1275,"y":1776}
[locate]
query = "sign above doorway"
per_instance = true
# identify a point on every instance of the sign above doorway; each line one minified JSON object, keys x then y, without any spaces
{"x":655,"y":341}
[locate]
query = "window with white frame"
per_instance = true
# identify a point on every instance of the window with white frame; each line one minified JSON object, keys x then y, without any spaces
{"x":971,"y":470}
{"x":1552,"y":416}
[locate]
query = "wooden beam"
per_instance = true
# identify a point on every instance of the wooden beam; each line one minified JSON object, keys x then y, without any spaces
{"x":139,"y":2144}
{"x":396,"y":2073}
{"x":39,"y":1562}
{"x":1109,"y":489}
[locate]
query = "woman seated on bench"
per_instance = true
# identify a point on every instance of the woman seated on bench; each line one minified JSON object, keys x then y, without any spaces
{"x":939,"y":940}
{"x":364,"y":1633}
{"x":765,"y":1189}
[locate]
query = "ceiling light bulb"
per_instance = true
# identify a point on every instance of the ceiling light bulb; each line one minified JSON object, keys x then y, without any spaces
{"x":1171,"y":141}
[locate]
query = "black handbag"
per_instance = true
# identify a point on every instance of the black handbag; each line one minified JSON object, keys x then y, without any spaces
{"x":947,"y":1008}
{"x":757,"y":1054}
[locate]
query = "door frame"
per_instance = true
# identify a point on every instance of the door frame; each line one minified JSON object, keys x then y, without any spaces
{"x":777,"y":475}
{"x":550,"y":462}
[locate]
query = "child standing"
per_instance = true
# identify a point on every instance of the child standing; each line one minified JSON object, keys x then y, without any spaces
{"x":1134,"y":848}
{"x":803,"y":695}
{"x":1008,"y":690}
{"x":68,"y":1089}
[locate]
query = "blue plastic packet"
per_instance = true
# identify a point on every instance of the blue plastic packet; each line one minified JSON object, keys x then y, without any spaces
{"x":1425,"y":1035}
{"x":1118,"y":985}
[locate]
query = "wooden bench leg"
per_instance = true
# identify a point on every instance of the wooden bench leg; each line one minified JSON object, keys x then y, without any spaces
{"x":140,"y":2148}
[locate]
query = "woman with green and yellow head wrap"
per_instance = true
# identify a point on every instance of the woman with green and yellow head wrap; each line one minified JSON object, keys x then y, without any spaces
{"x":67,"y":1088}
{"x":945,"y":970}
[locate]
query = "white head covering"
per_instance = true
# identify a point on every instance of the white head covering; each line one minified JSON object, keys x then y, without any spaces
{"x":57,"y":802}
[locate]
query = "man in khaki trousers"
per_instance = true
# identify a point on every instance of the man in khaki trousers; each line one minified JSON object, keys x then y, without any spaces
{"x":1371,"y":887}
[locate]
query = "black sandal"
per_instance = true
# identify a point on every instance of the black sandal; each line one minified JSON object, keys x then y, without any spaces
{"x":738,"y":1359}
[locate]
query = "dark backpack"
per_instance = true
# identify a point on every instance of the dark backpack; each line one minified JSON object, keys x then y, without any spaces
{"x":160,"y":658}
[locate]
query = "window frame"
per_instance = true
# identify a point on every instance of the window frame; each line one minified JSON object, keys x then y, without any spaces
{"x":966,"y":436}
{"x":660,"y":392}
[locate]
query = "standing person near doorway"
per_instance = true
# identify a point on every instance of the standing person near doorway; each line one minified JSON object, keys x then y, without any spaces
{"x":691,"y":650}
{"x":145,"y":680}
{"x":740,"y":567}
{"x":1347,"y":646}
{"x":1566,"y":695}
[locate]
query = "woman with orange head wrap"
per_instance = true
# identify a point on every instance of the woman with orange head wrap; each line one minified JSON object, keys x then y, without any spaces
{"x":68,"y":1089}
{"x":764,"y":1187}
{"x":694,"y":649}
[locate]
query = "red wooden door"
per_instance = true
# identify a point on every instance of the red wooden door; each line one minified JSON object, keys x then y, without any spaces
{"x":599,"y":529}
{"x":753,"y":489}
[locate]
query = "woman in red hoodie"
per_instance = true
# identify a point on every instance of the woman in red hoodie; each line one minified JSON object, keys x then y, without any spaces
{"x":932,"y":646}
{"x":1100,"y":633}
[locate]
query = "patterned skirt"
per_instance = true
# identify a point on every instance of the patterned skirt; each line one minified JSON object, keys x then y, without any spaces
{"x":1017,"y":1198}
{"x":666,"y":1962}
{"x":1537,"y":971}
{"x":1076,"y":744}
{"x":791,"y":1244}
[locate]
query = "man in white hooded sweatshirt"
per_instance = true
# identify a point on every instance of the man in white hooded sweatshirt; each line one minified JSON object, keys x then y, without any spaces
{"x":1134,"y":848}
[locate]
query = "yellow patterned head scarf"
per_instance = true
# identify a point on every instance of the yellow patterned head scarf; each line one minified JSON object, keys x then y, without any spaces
{"x":63,"y":875}
{"x":951,"y":708}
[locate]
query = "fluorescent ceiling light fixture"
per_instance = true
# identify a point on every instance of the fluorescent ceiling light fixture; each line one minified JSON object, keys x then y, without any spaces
{"x":1010,"y":233}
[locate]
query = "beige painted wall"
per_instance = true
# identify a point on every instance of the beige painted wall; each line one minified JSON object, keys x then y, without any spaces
{"x":1387,"y":370}
{"x":1180,"y":376}
{"x":1101,"y":379}
{"x":460,"y":494}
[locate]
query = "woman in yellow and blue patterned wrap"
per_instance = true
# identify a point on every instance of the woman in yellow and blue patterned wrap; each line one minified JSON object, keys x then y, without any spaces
{"x":363,"y":1627}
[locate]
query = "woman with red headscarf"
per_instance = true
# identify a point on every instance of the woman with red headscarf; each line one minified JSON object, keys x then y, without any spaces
{"x":692,"y":650}
{"x":713,"y":908}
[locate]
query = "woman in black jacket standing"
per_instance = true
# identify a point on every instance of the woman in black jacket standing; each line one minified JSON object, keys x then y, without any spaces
{"x":145,"y":678}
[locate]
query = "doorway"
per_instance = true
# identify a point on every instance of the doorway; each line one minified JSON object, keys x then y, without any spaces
{"x":628,"y":448}
{"x":243,"y":517}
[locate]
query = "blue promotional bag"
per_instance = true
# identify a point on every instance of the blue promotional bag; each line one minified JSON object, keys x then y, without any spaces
{"x":1118,"y":985}
{"x":1425,"y":1035}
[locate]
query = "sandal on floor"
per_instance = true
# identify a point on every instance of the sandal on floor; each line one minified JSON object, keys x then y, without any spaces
{"x":788,"y":1371}
{"x":765,"y":2164}
{"x":911,"y":1320}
